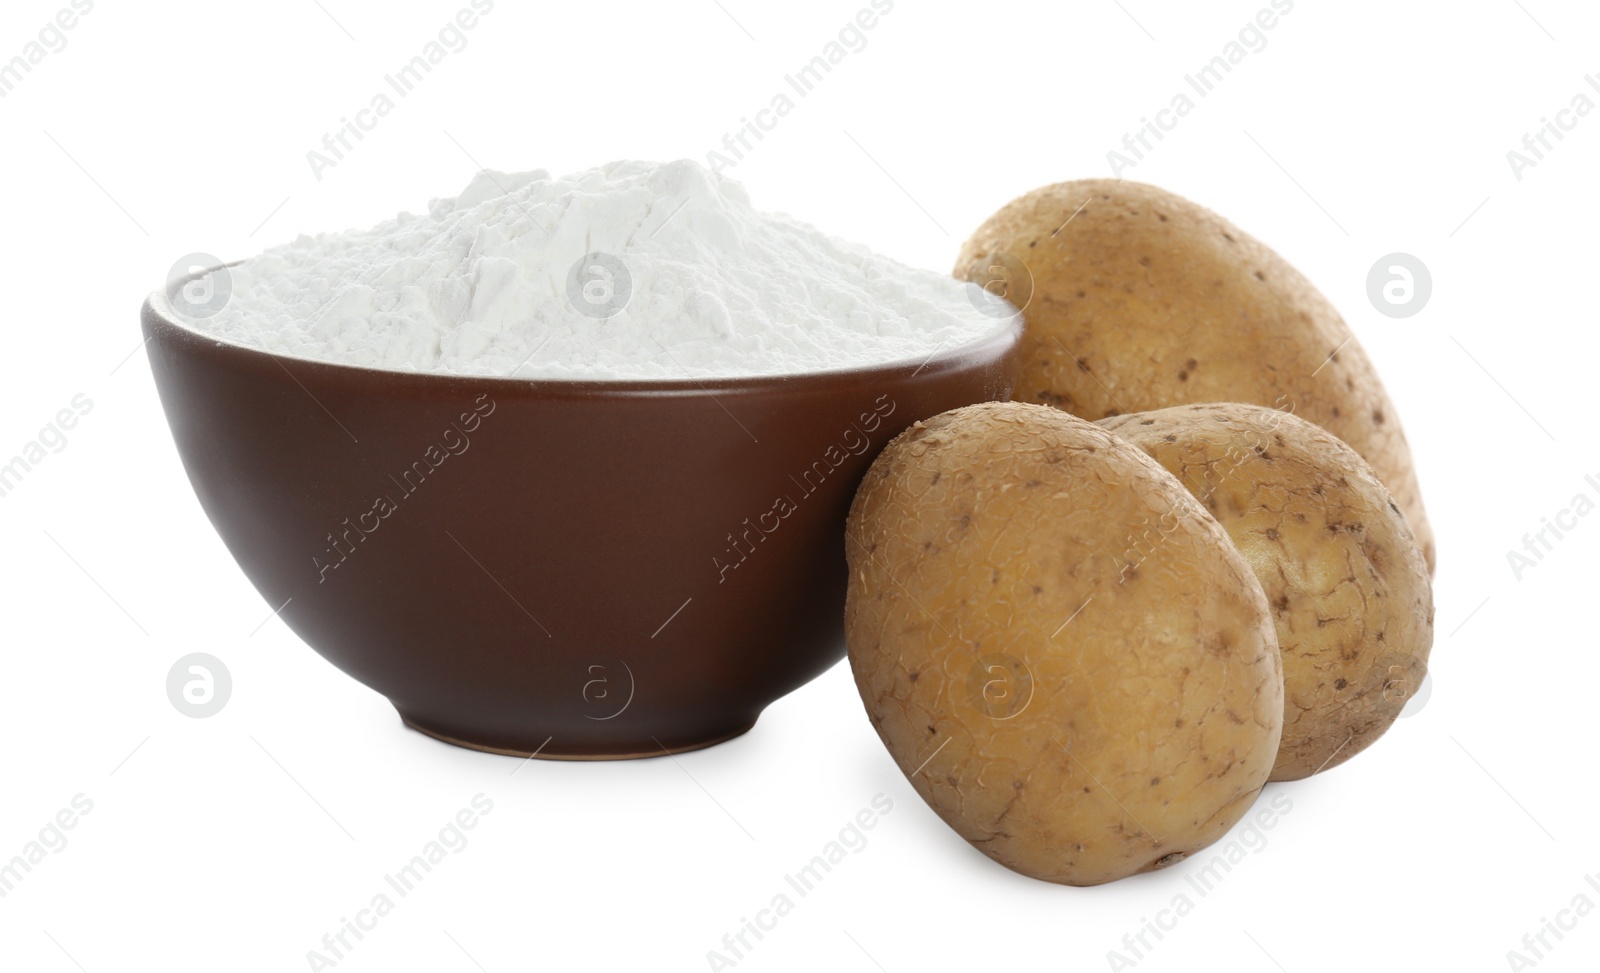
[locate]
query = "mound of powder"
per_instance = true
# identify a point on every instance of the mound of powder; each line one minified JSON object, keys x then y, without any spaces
{"x":633,"y":270}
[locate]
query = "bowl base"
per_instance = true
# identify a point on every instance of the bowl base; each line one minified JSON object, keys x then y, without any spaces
{"x":554,"y":752}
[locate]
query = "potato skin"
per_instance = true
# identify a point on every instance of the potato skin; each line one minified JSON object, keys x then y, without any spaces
{"x":1145,"y":300}
{"x":1058,"y":645}
{"x":1350,"y":594}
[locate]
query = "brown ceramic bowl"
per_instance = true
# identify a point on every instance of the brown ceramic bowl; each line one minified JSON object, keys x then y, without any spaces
{"x":583,"y":570}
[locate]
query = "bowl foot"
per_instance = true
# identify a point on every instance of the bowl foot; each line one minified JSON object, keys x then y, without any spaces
{"x":553,"y":750}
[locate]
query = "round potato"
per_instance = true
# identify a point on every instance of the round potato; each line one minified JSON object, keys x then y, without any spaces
{"x":1350,"y":594}
{"x":1137,"y":299}
{"x":1058,"y":645}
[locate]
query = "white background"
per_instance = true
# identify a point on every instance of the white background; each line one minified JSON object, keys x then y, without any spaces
{"x":235,"y":842}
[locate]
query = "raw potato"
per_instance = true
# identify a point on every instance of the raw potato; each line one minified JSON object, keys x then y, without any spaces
{"x":1058,"y":645}
{"x":1349,"y":591}
{"x":1142,"y":300}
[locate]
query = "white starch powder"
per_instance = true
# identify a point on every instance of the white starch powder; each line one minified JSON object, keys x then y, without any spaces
{"x":630,"y":271}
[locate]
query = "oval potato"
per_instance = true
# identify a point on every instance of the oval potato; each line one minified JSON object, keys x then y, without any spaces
{"x":1058,"y":645}
{"x":1141,"y":300}
{"x":1349,"y":591}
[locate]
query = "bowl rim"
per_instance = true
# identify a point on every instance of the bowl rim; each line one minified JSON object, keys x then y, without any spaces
{"x":996,"y":343}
